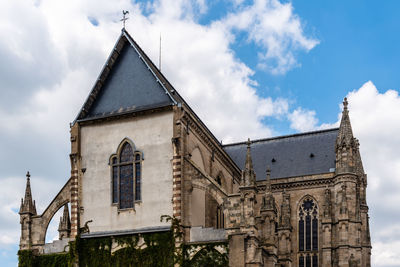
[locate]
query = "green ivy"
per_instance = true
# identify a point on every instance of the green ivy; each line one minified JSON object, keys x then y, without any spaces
{"x":156,"y":250}
{"x":207,"y":256}
{"x":27,"y":259}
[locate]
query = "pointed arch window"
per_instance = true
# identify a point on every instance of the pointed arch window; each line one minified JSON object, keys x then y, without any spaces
{"x":308,"y":233}
{"x":126,"y":175}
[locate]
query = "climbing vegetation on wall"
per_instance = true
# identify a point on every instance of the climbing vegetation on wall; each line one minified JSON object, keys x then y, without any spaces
{"x":140,"y":250}
{"x":27,"y":259}
{"x":211,"y":254}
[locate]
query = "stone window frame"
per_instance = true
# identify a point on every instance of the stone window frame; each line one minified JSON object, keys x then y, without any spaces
{"x":311,"y":254}
{"x":135,"y":161}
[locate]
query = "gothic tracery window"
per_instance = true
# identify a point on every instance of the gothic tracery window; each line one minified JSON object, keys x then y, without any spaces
{"x":126,"y":176}
{"x":308,"y":233}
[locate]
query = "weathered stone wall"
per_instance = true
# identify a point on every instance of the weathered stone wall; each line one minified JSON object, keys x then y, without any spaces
{"x":207,"y":173}
{"x":151,"y":134}
{"x":340,"y":221}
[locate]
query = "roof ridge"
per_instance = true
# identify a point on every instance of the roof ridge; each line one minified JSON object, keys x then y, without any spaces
{"x":93,"y":92}
{"x":284,"y":136}
{"x":152,"y":67}
{"x":123,"y":39}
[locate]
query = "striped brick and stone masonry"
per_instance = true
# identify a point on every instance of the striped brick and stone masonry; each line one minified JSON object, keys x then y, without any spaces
{"x":177,"y":186}
{"x":74,"y":197}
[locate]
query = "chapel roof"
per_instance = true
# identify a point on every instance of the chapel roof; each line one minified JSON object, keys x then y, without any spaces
{"x":128,"y":82}
{"x":290,"y":155}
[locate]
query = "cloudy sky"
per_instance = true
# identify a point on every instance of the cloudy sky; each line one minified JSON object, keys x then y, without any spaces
{"x":248,"y":68}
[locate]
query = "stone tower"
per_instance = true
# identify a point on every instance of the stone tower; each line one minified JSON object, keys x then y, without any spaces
{"x":268,"y":223}
{"x":26,"y":212}
{"x":350,"y":235}
{"x":248,"y":194}
{"x":64,"y":227}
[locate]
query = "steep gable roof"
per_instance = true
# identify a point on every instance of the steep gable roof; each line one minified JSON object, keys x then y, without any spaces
{"x":128,"y":82}
{"x":289,"y":156}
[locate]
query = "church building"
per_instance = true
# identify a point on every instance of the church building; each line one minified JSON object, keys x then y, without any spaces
{"x":150,"y":185}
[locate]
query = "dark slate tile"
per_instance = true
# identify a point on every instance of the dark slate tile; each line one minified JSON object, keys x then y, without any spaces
{"x":130,"y":86}
{"x":292,"y":154}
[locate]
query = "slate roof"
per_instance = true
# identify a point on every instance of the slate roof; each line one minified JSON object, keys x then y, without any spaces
{"x":289,"y":156}
{"x":129,"y":82}
{"x":128,"y":87}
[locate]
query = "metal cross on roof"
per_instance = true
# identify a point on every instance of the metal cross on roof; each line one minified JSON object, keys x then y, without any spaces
{"x":124,"y":13}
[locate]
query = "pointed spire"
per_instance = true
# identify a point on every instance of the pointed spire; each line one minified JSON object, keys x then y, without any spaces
{"x":249,"y":176}
{"x":27,"y":204}
{"x":345,"y":135}
{"x":346,"y":145}
{"x":64,"y":227}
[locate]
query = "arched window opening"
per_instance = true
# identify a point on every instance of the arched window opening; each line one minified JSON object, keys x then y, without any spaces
{"x":126,"y":176}
{"x":308,"y":233}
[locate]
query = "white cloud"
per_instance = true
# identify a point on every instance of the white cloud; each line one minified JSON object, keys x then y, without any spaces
{"x":274,"y":27}
{"x":386,"y":254}
{"x":375,"y":122}
{"x":53,"y":54}
{"x":375,"y":117}
{"x":303,"y":120}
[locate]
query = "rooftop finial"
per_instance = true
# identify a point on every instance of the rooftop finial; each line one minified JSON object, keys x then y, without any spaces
{"x":27,"y":204}
{"x":345,"y":131}
{"x":249,"y":175}
{"x":345,"y":103}
{"x":124,"y":18}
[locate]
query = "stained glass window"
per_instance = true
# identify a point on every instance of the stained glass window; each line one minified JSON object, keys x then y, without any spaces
{"x":315,"y":234}
{"x":301,"y":234}
{"x":315,"y":261}
{"x":126,"y":176}
{"x":126,"y":153}
{"x":308,"y":260}
{"x":115,"y":184}
{"x":126,"y":187}
{"x":308,"y":233}
{"x":301,"y":261}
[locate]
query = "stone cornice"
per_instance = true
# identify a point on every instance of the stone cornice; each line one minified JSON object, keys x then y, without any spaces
{"x":298,"y":184}
{"x":127,"y":115}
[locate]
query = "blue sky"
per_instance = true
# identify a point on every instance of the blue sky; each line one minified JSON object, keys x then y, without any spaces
{"x":248,"y":68}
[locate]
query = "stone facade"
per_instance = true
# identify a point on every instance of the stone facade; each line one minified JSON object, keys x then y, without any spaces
{"x":318,"y":219}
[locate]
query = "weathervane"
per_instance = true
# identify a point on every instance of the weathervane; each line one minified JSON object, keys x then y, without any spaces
{"x":124,"y":12}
